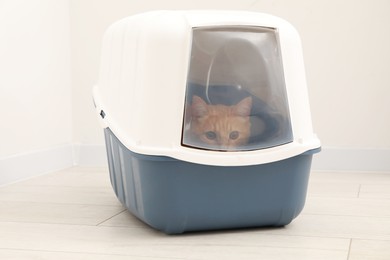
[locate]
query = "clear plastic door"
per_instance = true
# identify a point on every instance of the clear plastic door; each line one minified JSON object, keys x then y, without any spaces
{"x":236,"y":95}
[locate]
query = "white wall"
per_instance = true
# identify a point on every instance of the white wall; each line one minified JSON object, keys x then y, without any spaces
{"x":35,"y":75}
{"x":35,"y":79}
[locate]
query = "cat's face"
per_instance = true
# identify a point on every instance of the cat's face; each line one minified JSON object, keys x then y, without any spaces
{"x":221,"y":127}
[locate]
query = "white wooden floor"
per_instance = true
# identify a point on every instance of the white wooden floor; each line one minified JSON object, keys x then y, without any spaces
{"x":73,"y":214}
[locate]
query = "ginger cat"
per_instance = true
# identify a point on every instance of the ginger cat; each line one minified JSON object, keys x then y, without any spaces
{"x":220,"y":127}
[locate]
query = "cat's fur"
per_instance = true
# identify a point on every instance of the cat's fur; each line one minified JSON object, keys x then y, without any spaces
{"x":220,"y":127}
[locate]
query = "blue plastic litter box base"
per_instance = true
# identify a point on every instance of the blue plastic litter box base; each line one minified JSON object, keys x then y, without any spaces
{"x":176,"y":196}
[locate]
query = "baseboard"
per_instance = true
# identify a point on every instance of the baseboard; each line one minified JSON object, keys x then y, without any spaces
{"x":352,"y":159}
{"x":89,"y":155}
{"x":27,"y":165}
{"x":23,"y":166}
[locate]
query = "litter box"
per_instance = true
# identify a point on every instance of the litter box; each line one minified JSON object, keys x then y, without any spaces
{"x":206,"y":119}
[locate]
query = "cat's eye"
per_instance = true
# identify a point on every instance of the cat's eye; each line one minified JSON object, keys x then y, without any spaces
{"x":234,"y":135}
{"x":211,"y":135}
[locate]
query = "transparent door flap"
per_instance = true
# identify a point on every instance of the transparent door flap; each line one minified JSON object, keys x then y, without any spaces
{"x":236,"y":97}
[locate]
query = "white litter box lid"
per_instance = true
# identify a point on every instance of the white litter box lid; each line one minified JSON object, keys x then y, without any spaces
{"x":221,"y":88}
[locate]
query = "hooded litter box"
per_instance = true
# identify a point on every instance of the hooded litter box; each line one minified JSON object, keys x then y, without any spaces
{"x":206,"y":119}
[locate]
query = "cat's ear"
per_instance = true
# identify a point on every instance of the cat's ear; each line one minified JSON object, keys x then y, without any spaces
{"x":243,"y":108}
{"x":198,"y":107}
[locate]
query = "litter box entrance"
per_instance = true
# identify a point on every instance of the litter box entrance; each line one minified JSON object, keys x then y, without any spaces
{"x":236,"y":98}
